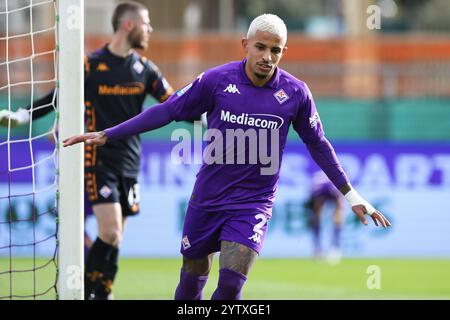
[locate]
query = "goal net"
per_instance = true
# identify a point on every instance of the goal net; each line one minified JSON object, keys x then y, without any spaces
{"x":41,"y":183}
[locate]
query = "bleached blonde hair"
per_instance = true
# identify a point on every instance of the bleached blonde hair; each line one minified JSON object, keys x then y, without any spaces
{"x":270,"y":23}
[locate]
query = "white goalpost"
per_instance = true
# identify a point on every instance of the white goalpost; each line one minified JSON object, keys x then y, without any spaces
{"x":41,"y":183}
{"x":71,"y":174}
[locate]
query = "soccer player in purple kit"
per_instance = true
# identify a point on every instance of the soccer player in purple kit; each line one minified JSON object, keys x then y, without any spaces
{"x":323,"y":192}
{"x":231,"y":203}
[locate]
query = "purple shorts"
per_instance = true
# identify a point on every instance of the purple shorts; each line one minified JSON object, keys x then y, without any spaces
{"x":203,"y":230}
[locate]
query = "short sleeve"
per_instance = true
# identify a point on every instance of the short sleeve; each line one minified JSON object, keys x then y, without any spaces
{"x":156,"y":85}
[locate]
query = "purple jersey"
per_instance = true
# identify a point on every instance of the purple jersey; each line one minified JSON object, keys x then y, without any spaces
{"x":231,"y":101}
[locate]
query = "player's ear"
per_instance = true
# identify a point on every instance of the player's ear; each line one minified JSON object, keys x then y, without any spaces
{"x":245,"y":44}
{"x":127,"y":24}
{"x":284,"y":50}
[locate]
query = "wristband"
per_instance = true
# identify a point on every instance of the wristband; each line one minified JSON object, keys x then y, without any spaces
{"x":355,"y":199}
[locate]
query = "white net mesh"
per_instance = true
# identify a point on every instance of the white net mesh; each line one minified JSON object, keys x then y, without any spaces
{"x":28,"y":156}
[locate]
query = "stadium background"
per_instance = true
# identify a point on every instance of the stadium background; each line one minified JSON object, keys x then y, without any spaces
{"x":383,"y":96}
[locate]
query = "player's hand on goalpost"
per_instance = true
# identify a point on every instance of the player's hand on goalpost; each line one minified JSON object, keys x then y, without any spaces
{"x":91,"y":138}
{"x":14,"y":119}
{"x":361,"y":207}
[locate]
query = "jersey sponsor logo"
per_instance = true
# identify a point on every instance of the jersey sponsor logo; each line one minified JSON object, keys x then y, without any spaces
{"x":138,"y":67}
{"x":258,"y":120}
{"x":183,"y":90}
{"x":102,"y":67}
{"x":127,"y":89}
{"x":281,"y":96}
{"x":314,"y":120}
{"x":105,"y":191}
{"x":232,"y":89}
{"x":185,"y":243}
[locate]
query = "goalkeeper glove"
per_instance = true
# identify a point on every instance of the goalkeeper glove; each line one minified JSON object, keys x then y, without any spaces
{"x":14,"y":119}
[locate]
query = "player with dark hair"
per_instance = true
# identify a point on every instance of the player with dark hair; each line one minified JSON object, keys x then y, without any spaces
{"x":232,"y":200}
{"x":117,"y":81}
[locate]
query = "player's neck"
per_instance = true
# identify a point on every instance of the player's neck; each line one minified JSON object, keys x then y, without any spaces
{"x":258,"y":82}
{"x":119,"y":47}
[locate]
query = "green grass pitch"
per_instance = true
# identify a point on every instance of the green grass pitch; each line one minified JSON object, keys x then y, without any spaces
{"x":287,"y":279}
